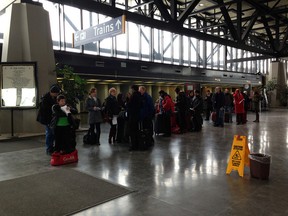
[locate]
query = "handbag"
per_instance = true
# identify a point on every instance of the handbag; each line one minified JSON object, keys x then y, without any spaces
{"x":90,"y":138}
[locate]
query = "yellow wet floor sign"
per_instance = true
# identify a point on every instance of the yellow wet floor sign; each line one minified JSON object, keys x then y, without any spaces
{"x":239,"y":155}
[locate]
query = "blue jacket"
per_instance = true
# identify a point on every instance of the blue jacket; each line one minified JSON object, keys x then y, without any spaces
{"x":147,"y":106}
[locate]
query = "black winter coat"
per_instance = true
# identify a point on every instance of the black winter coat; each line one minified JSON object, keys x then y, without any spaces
{"x":111,"y":106}
{"x":45,"y":110}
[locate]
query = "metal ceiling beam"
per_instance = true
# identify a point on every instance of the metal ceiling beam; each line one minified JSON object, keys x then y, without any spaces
{"x":143,"y":20}
{"x":268,"y":31}
{"x":163,"y":10}
{"x":250,"y":25}
{"x":173,"y":9}
{"x":254,"y":58}
{"x":184,"y":15}
{"x":228,"y":21}
{"x":266,"y":10}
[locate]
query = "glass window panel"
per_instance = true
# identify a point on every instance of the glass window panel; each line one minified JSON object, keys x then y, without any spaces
{"x":121,"y":41}
{"x":53,"y":10}
{"x":145,"y":42}
{"x":157,"y":45}
{"x":222,"y":57}
{"x":90,"y":19}
{"x":194,"y":51}
{"x":106,"y":46}
{"x":133,"y":40}
{"x":185,"y":46}
{"x":167,"y":46}
{"x":201,"y":54}
{"x":72,"y":24}
{"x":215,"y":55}
{"x":2,"y":26}
{"x":234,"y":56}
{"x":209,"y":54}
{"x":176,"y":48}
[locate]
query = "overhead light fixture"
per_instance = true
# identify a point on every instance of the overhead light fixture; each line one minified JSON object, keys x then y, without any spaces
{"x":201,"y":4}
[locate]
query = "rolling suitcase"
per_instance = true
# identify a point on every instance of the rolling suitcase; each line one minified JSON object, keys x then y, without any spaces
{"x":213,"y":116}
{"x":159,"y":125}
{"x":144,"y":138}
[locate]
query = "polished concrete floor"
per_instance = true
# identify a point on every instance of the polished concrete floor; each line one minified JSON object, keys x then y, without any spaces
{"x":182,"y":175}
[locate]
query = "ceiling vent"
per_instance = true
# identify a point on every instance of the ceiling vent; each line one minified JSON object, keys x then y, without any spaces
{"x":144,"y":68}
{"x":178,"y":71}
{"x":99,"y":64}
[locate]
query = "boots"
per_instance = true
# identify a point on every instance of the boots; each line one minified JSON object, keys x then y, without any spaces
{"x":112,"y":134}
{"x":257,"y":117}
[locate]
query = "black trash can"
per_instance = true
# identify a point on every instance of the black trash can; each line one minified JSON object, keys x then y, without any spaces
{"x":260,"y":165}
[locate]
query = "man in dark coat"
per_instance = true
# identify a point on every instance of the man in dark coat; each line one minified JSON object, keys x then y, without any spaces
{"x":228,"y":104}
{"x":133,"y":113}
{"x":181,"y":106}
{"x":197,"y":108}
{"x":147,"y":112}
{"x":45,"y":115}
{"x":209,"y":105}
{"x":218,"y":105}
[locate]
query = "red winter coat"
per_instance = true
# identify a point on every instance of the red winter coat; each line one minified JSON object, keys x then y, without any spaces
{"x":238,"y":102}
{"x":168,"y":104}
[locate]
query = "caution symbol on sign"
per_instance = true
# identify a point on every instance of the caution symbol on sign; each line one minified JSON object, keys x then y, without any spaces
{"x":236,"y":156}
{"x":239,"y":155}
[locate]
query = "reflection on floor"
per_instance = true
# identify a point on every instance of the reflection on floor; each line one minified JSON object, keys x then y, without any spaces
{"x":181,"y":175}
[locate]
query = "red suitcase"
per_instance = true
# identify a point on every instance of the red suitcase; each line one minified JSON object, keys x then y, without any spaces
{"x":58,"y":159}
{"x":213,"y":116}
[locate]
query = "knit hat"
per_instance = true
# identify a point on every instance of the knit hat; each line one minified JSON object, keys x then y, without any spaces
{"x":55,"y":89}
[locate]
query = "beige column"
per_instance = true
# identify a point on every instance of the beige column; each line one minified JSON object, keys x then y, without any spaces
{"x":27,"y":37}
{"x":278,"y":74}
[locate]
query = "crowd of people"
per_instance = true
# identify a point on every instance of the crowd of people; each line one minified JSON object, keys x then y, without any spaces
{"x":135,"y":112}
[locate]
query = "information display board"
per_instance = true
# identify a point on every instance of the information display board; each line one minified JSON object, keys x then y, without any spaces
{"x":18,"y":85}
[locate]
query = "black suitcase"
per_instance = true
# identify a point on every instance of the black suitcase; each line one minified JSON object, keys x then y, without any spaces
{"x":159,"y":125}
{"x":144,"y":138}
{"x":90,"y":138}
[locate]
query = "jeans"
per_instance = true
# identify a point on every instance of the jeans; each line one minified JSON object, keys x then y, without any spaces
{"x":49,"y":133}
{"x":219,"y":117}
{"x":228,"y":109}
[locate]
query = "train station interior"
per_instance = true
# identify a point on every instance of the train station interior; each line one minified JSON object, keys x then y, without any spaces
{"x":162,"y":45}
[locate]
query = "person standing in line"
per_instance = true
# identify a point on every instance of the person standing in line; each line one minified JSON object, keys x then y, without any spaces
{"x":239,"y":107}
{"x":147,"y":111}
{"x":93,"y":105}
{"x":112,"y":108}
{"x":121,"y":118}
{"x":197,"y":108}
{"x":256,"y":102}
{"x":218,"y":105}
{"x":63,"y":126}
{"x":133,"y":113}
{"x":126,"y":137}
{"x":228,"y":104}
{"x":209,"y":105}
{"x":45,"y":115}
{"x":181,"y":107}
{"x":168,"y":109}
{"x":246,"y":105}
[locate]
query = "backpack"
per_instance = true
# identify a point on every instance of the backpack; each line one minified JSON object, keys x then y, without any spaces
{"x":40,"y":112}
{"x":90,"y":138}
